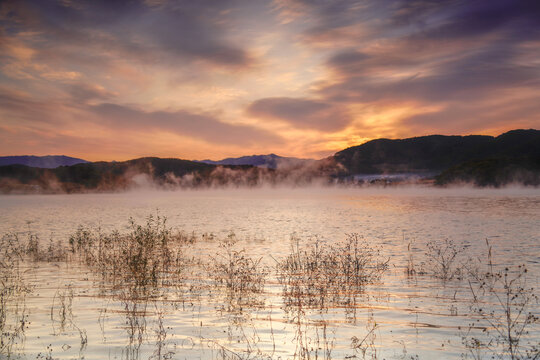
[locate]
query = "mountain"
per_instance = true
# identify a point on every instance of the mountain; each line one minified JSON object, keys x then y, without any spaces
{"x":513,"y":157}
{"x":271,"y":161}
{"x":114,"y":176}
{"x":48,"y":162}
{"x":435,"y":153}
{"x":493,"y":172}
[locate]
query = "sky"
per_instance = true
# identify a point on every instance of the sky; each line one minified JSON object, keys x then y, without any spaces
{"x":210,"y":79}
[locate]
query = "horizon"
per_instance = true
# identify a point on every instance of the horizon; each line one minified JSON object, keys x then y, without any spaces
{"x":250,"y":155}
{"x":177,"y":79}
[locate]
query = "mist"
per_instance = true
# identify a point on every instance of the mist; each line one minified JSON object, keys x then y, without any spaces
{"x":174,"y":174}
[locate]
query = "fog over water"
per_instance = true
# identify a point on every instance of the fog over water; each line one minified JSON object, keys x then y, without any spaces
{"x":412,"y":315}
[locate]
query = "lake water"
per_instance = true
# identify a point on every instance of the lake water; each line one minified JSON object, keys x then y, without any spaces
{"x":70,"y":312}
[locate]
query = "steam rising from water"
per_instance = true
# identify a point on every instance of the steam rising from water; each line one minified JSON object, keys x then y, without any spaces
{"x":173,"y":174}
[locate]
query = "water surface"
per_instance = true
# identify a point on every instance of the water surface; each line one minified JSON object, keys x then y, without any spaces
{"x":398,"y":317}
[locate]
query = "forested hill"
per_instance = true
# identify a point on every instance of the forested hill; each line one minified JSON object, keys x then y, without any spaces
{"x":513,"y":157}
{"x":436,"y":152}
{"x":113,"y":176}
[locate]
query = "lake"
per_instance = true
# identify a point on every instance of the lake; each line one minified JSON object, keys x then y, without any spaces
{"x":266,"y":273}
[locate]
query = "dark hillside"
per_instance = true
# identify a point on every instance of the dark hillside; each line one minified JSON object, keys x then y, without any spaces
{"x":435,"y":152}
{"x":493,"y":172}
{"x":101,"y":176}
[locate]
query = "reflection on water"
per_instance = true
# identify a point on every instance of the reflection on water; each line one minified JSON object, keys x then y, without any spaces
{"x":271,"y":274}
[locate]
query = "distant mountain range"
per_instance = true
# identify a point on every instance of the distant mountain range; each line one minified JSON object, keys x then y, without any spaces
{"x":513,"y":157}
{"x":271,"y":161}
{"x":48,"y":162}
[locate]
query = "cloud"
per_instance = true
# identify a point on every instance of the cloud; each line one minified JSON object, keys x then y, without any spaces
{"x":167,"y":32}
{"x":468,"y":63}
{"x":419,"y":19}
{"x":300,"y":113}
{"x":351,"y":63}
{"x":474,"y":74}
{"x":183,"y":122}
{"x":518,"y":19}
{"x":20,"y":109}
{"x":316,"y":75}
{"x":476,"y":117}
{"x":23,"y":114}
{"x":82,"y":92}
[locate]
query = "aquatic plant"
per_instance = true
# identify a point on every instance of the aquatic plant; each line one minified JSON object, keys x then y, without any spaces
{"x":62,"y":318}
{"x":148,"y":255}
{"x":365,"y":345}
{"x":442,"y":259}
{"x":13,"y":291}
{"x":235,"y":270}
{"x":161,"y":351}
{"x":505,"y":305}
{"x":508,"y":323}
{"x":135,"y":313}
{"x":312,"y":339}
{"x":148,"y":265}
{"x":337,"y":271}
{"x":410,"y":268}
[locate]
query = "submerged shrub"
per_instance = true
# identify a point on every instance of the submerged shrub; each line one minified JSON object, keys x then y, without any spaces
{"x":235,"y":270}
{"x":338,"y":270}
{"x":442,"y":260}
{"x":506,"y":307}
{"x":15,"y":246}
{"x":13,"y":290}
{"x":148,"y":254}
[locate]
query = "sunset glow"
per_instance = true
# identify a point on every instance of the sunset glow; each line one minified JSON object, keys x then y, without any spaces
{"x":104,"y":80}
